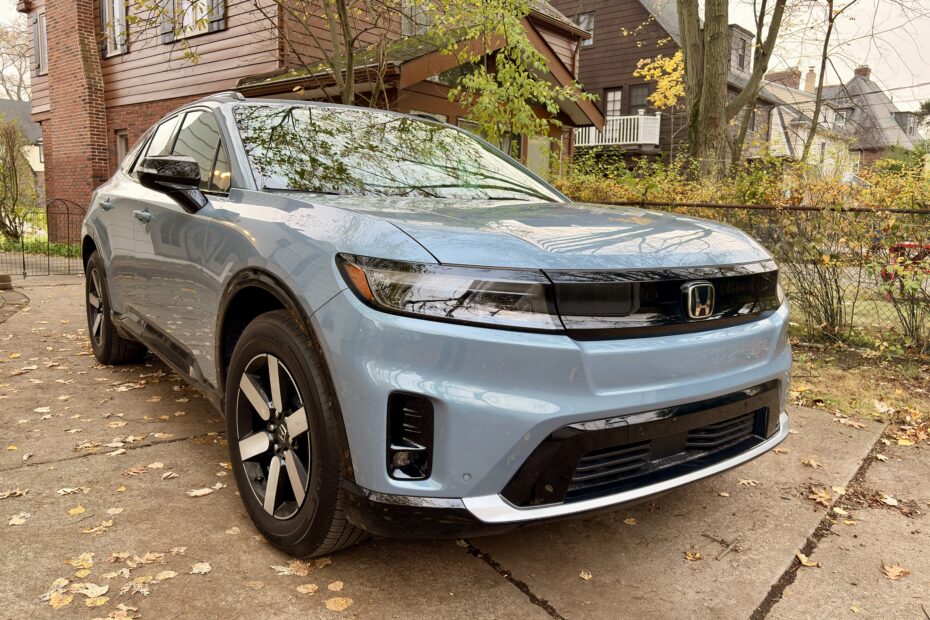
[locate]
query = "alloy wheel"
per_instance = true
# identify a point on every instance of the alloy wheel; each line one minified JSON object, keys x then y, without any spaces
{"x":95,"y":307}
{"x":273,"y":436}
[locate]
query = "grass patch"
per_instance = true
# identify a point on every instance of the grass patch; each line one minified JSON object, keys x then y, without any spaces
{"x":841,"y":379}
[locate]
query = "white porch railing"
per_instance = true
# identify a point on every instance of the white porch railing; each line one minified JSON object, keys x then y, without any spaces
{"x":642,"y":129}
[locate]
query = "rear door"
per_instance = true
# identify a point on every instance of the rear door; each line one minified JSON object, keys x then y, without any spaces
{"x":168,"y":248}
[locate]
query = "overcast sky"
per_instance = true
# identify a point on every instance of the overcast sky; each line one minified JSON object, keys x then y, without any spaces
{"x":898,"y":55}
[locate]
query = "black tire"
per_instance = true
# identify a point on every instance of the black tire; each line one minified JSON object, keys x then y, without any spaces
{"x":108,"y":345}
{"x":306,"y":448}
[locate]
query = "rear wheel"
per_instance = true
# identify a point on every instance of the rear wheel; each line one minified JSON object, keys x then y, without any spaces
{"x":283,"y":439}
{"x":108,"y":345}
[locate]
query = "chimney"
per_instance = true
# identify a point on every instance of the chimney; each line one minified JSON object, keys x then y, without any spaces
{"x":864,"y":72}
{"x":810,"y":80}
{"x":789,"y":77}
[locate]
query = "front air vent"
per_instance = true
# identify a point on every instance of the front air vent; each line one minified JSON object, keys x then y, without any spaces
{"x":409,"y":436}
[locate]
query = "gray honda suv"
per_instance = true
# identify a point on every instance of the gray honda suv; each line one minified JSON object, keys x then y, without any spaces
{"x":410,"y":334}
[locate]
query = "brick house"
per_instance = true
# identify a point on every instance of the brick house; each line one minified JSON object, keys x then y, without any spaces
{"x":101,"y":79}
{"x":625,"y":31}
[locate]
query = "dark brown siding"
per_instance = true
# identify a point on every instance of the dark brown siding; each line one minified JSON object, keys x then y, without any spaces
{"x":609,"y":62}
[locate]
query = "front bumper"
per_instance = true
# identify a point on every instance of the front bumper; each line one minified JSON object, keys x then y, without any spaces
{"x":497,"y":395}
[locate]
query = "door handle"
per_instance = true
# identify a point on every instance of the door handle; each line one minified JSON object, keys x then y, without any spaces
{"x":142,"y":215}
{"x":106,"y":205}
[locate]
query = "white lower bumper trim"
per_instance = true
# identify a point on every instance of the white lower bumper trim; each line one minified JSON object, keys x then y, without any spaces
{"x":496,"y":509}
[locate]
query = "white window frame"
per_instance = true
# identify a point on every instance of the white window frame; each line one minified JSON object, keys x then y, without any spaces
{"x":191,"y":17}
{"x":41,"y":44}
{"x":741,"y":54}
{"x":839,"y":119}
{"x":613,"y":107}
{"x":114,"y":19}
{"x":122,"y":146}
{"x":589,"y":28}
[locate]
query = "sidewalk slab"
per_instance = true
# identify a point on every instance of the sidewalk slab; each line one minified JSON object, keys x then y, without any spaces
{"x":641,"y":571}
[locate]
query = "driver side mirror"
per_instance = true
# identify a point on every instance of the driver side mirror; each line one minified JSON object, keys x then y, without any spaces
{"x":176,"y":176}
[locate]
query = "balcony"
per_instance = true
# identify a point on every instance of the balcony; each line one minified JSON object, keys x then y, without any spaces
{"x":640,"y":130}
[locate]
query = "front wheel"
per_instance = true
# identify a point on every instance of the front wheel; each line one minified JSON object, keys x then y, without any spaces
{"x":283,"y":439}
{"x":108,"y":345}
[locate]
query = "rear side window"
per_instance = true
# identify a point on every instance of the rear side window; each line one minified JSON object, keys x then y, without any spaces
{"x":199,"y":138}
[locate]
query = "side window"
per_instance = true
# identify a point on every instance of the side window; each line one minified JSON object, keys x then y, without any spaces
{"x":200,"y":138}
{"x":161,"y":140}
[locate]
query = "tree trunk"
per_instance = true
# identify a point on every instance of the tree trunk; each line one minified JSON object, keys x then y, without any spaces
{"x":818,"y":104}
{"x":712,"y":119}
{"x":692,"y":45}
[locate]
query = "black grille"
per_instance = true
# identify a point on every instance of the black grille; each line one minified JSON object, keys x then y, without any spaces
{"x":721,"y":434}
{"x":606,"y":456}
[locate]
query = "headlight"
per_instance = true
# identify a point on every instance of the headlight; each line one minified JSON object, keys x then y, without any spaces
{"x":478,"y":295}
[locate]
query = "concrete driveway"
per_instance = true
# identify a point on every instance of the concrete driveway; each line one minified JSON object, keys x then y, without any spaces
{"x":108,"y":456}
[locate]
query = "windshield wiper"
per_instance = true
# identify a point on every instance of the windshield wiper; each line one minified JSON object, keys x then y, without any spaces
{"x":300,"y":191}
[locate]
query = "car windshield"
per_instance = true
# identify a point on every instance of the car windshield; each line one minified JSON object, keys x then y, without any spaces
{"x":372,"y":153}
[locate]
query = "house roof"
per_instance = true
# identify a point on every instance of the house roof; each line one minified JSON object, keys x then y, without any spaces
{"x":665,"y":13}
{"x":874,"y":123}
{"x":22,"y":112}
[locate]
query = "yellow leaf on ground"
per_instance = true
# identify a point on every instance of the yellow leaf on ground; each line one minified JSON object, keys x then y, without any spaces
{"x":97,"y":601}
{"x":586,"y":575}
{"x":80,"y":574}
{"x":59,"y":599}
{"x":805,"y":561}
{"x":335,"y":586}
{"x":338,"y":603}
{"x":820,"y":496}
{"x":811,"y":462}
{"x":308,"y":588}
{"x":77,"y":510}
{"x":693,"y":556}
{"x":201,"y":568}
{"x":630,"y":521}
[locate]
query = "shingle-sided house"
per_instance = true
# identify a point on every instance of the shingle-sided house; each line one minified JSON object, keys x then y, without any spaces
{"x":872,"y":117}
{"x":101,"y":78}
{"x":19,"y":111}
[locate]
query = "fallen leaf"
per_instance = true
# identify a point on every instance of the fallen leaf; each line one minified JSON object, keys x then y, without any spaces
{"x":17,"y":492}
{"x":308,"y":588}
{"x":81,"y":574}
{"x":168,"y":475}
{"x":135,"y":471}
{"x":882,"y":458}
{"x":805,"y":561}
{"x":839,"y":490}
{"x":90,"y":590}
{"x":811,"y":462}
{"x":201,"y":568}
{"x":630,"y":521}
{"x":200,"y":492}
{"x":905,"y":442}
{"x":117,"y":452}
{"x":337,"y":604}
{"x":781,"y":450}
{"x":300,"y":568}
{"x":114,"y":511}
{"x":41,"y":409}
{"x":851,"y":423}
{"x":77,"y":510}
{"x":233,"y":530}
{"x":19,"y":519}
{"x":99,"y":529}
{"x":116,"y":424}
{"x":178,"y":550}
{"x":57,"y":600}
{"x":888,"y":500}
{"x":840,"y":511}
{"x":165,"y":575}
{"x":746,"y":482}
{"x":723,"y":494}
{"x":85,"y":560}
{"x":156,"y":465}
{"x":820,"y":496}
{"x":894,"y":571}
{"x":693,"y":556}
{"x":882,"y":407}
{"x":121,"y":489}
{"x":97,"y":601}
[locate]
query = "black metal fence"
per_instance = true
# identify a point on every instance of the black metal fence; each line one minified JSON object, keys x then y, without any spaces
{"x":852,"y":273}
{"x":48,"y":243}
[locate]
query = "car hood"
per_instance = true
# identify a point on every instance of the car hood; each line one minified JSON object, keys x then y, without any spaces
{"x":546,"y":235}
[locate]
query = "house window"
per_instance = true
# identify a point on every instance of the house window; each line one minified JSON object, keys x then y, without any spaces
{"x":752,"y":120}
{"x":122,"y":145}
{"x":414,"y":18}
{"x":40,"y":40}
{"x":741,"y":55}
{"x":193,"y":17}
{"x":585,"y":21}
{"x":639,"y":98}
{"x":113,"y":25}
{"x":839,"y":119}
{"x":823,"y":152}
{"x":612,"y":100}
{"x":41,"y":145}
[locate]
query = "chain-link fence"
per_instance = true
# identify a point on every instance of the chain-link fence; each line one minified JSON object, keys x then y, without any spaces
{"x":854,"y":273}
{"x":48,"y":241}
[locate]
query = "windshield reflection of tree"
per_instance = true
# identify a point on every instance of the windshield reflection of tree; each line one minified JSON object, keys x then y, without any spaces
{"x":368,"y":153}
